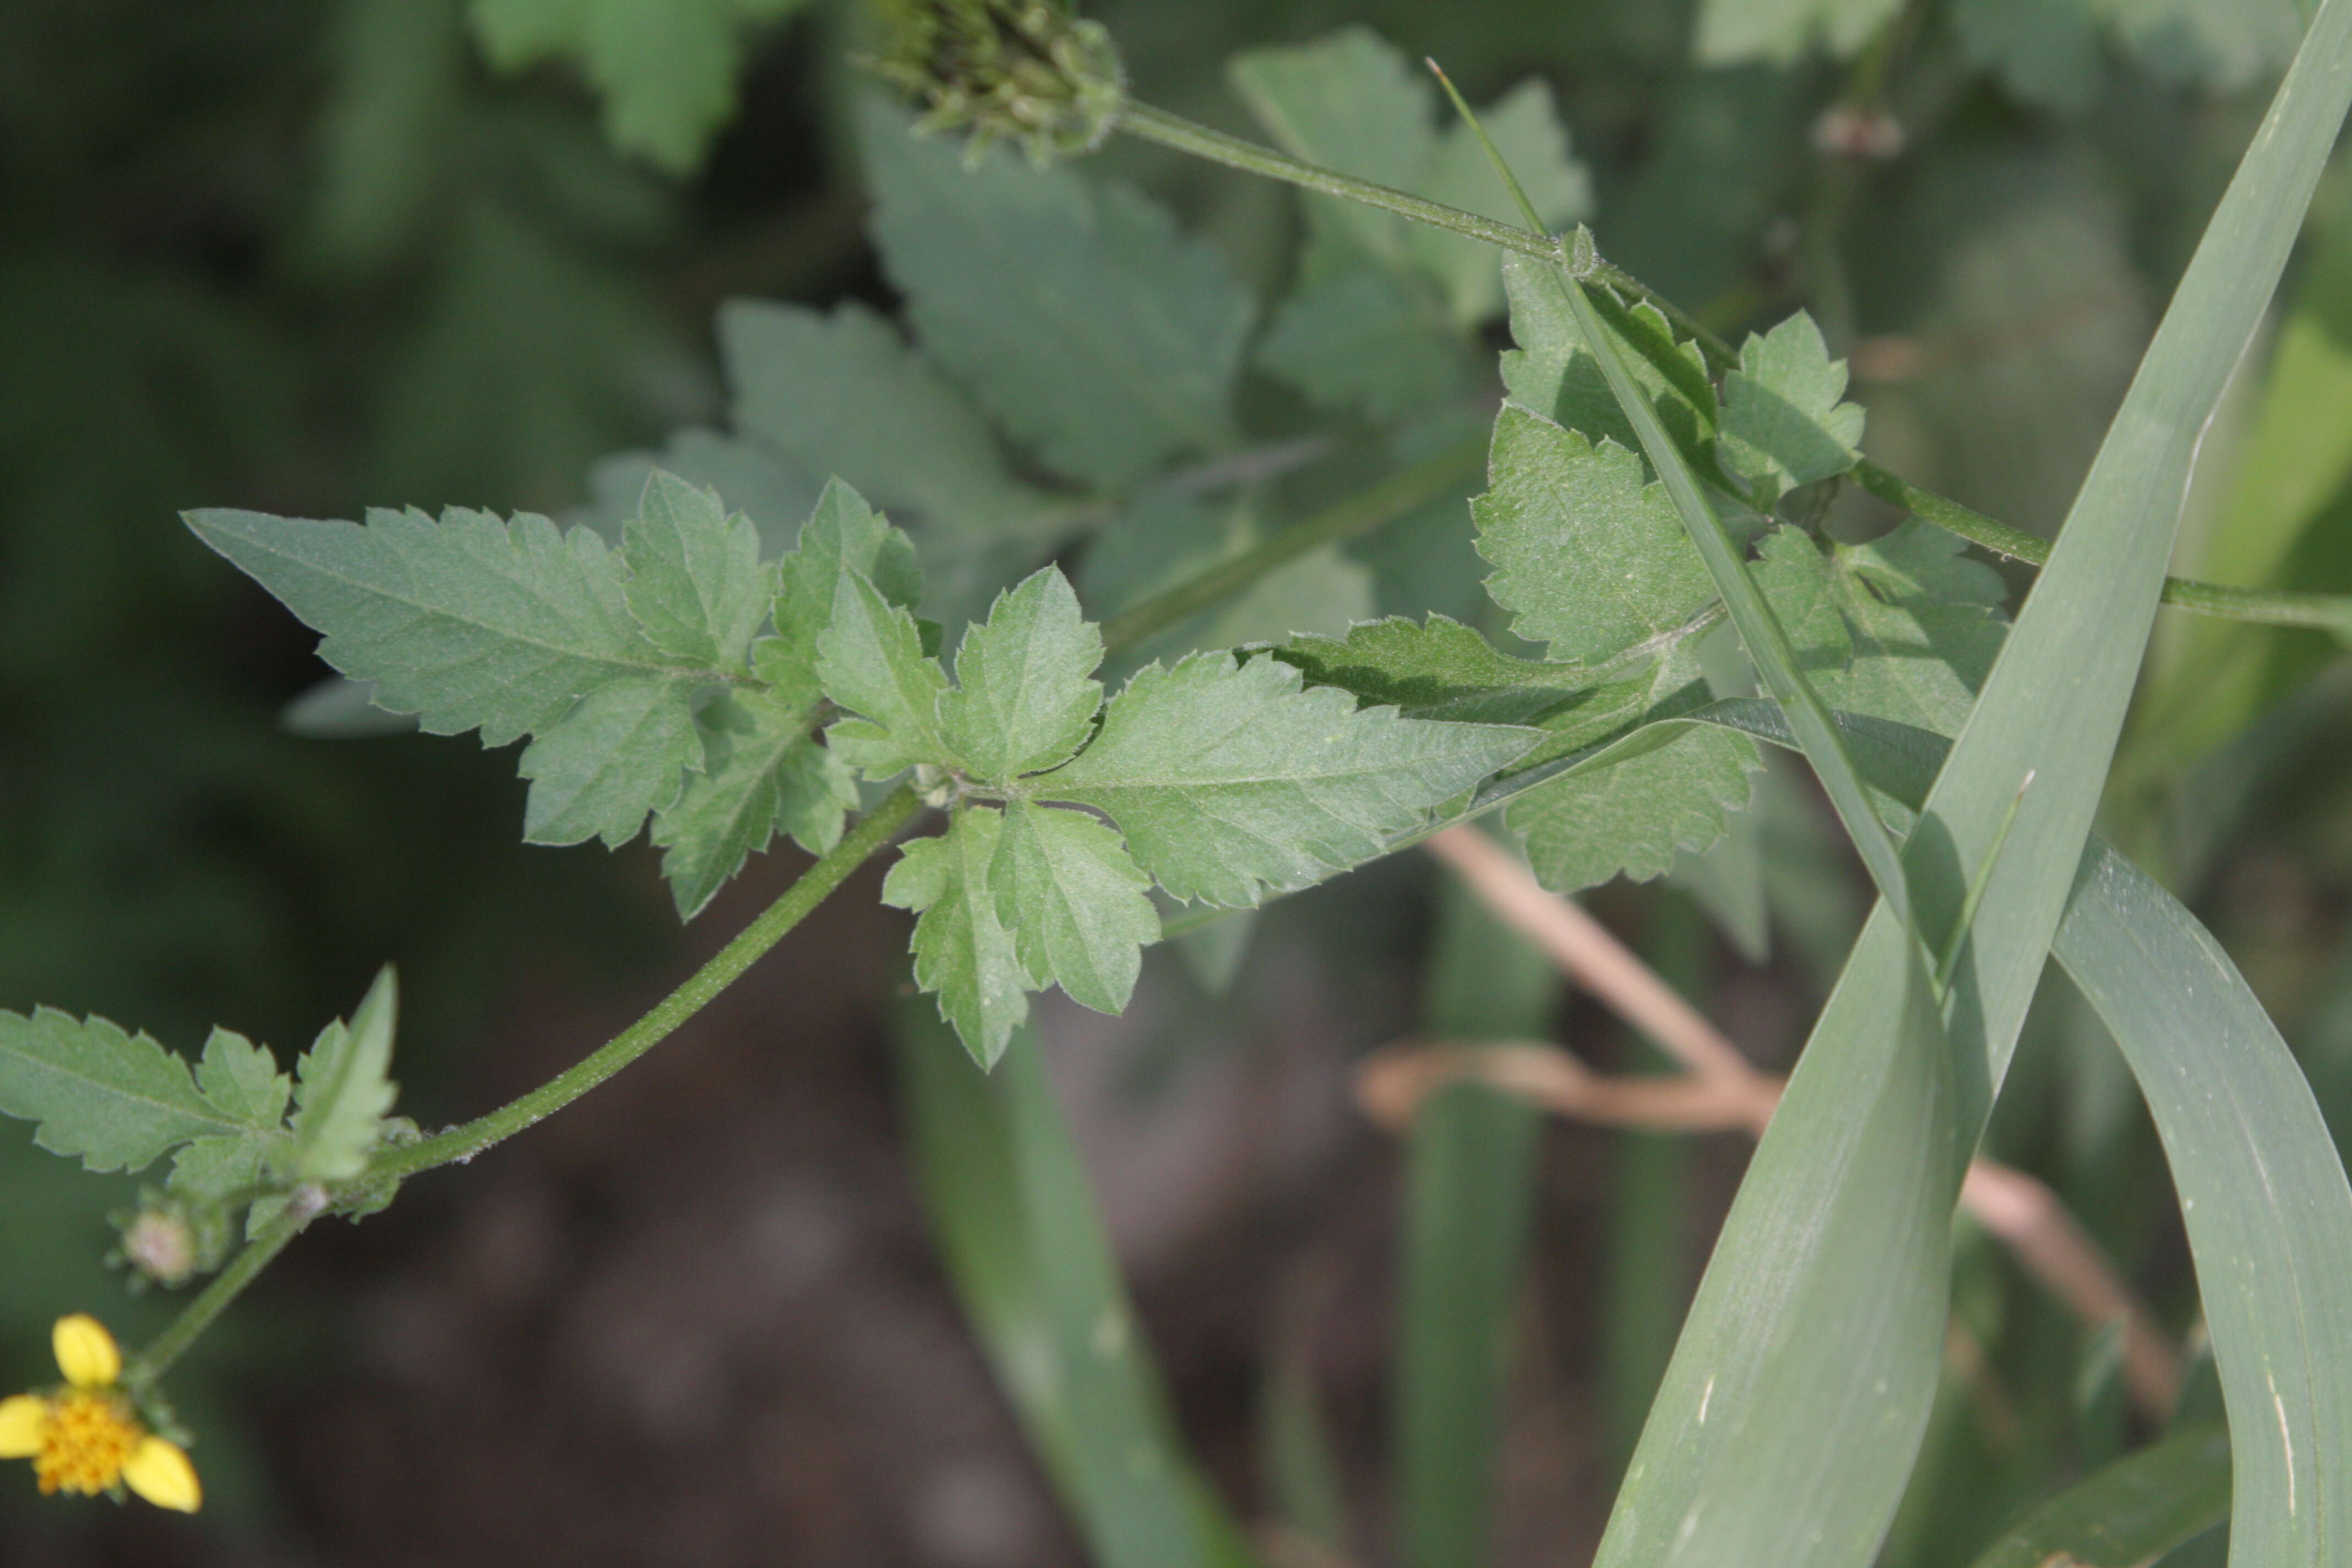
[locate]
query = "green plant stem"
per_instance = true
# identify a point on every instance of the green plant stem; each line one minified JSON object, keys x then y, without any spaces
{"x":873,"y":831}
{"x":1399,"y":493}
{"x":2323,"y":612}
{"x":214,"y":1299}
{"x":2316,"y":612}
{"x":1174,"y":131}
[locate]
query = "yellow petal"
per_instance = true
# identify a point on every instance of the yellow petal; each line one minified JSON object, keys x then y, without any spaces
{"x":159,"y":1472}
{"x":86,"y":1352}
{"x":23,"y":1420}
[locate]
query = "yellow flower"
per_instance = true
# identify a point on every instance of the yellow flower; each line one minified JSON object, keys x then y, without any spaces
{"x":86,"y":1437}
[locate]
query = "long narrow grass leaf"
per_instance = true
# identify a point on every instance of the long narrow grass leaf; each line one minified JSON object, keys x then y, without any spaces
{"x":1469,"y":1198}
{"x":2261,"y":1188}
{"x":2131,"y":1512}
{"x":1015,"y":1214}
{"x":1794,"y":1296}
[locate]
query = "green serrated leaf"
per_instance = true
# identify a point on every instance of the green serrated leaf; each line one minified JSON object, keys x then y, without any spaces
{"x":1553,"y":373}
{"x":1905,"y":628}
{"x":215,"y":1170}
{"x":342,"y":1090}
{"x":1654,"y":785}
{"x":242,"y":1081}
{"x":1588,"y":557}
{"x":469,"y":623}
{"x":1075,"y":309}
{"x":696,"y":585}
{"x":843,"y":534}
{"x":1023,"y":700}
{"x":1229,"y":779}
{"x":1437,"y":669}
{"x":623,"y":751}
{"x":1366,"y":338}
{"x":1784,"y":423}
{"x":870,"y":660}
{"x":770,"y":489}
{"x":1353,"y":101}
{"x":763,"y":773}
{"x":963,"y":954}
{"x":1075,"y":902}
{"x":844,"y":395}
{"x":667,"y":69}
{"x":1663,"y":789}
{"x":119,"y":1100}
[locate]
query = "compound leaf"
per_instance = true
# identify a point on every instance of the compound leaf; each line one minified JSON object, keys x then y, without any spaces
{"x":1022,"y":699}
{"x":1229,"y":779}
{"x":1077,"y":311}
{"x":1074,"y":899}
{"x":963,"y":954}
{"x":696,"y":585}
{"x":1588,"y":557}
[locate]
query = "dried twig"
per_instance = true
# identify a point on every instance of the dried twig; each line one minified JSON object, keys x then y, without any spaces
{"x":1721,"y":1090}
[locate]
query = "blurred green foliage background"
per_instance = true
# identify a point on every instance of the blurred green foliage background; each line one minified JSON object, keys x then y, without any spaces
{"x":310,"y":258}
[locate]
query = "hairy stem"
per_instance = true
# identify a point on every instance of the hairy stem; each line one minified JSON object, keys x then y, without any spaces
{"x":2323,"y":612}
{"x":873,"y":831}
{"x":225,"y":1287}
{"x":1360,"y":514}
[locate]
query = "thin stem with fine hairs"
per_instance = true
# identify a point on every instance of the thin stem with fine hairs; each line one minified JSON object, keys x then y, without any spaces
{"x":874,"y":830}
{"x":224,"y":1288}
{"x":2323,"y":612}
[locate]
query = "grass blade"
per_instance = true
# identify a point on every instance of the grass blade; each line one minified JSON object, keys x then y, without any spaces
{"x":2131,"y":1512}
{"x":1015,"y":1214}
{"x":1837,"y":1249}
{"x":2261,"y":1188}
{"x":1469,"y":1198}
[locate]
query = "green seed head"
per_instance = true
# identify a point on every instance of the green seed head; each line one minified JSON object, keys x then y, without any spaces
{"x":1032,"y":72}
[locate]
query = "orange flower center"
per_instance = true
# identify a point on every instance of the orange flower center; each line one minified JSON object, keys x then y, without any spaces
{"x":89,"y":1437}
